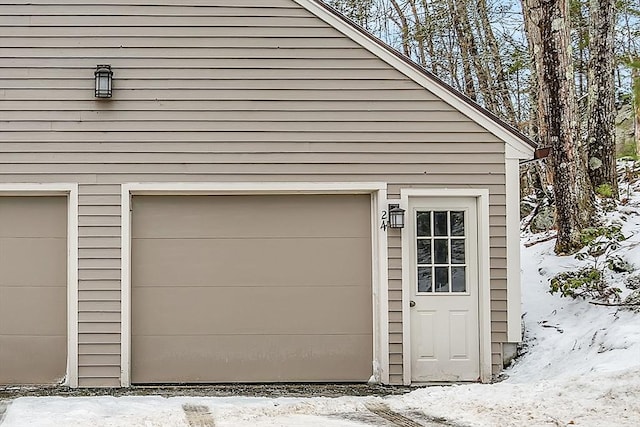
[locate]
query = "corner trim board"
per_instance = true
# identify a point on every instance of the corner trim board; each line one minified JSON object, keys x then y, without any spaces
{"x":514,"y":284}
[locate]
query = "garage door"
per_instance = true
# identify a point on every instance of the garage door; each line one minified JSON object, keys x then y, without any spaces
{"x":33,"y":289}
{"x":251,"y":288}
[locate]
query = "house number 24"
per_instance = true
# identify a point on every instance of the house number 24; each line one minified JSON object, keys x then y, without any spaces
{"x":384,"y":222}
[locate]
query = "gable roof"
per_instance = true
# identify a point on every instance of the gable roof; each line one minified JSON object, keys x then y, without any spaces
{"x":519,"y":146}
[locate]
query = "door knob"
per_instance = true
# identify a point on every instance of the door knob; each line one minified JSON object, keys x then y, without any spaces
{"x":412,"y":303}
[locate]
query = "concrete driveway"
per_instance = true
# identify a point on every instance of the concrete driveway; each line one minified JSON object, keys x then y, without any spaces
{"x":181,"y":411}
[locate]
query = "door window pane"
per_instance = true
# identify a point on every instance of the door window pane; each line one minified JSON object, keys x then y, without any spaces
{"x":442,"y":279}
{"x":457,"y":251}
{"x":457,"y":223}
{"x":440,"y":223}
{"x":423,"y":223}
{"x":441,"y":251}
{"x":424,"y":251}
{"x":441,"y":258}
{"x":458,"y":282}
{"x":424,"y":279}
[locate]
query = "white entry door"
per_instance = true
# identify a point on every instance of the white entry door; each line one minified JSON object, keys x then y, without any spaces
{"x":444,"y":301}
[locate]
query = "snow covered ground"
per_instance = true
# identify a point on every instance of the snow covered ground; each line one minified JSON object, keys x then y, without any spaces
{"x":582,"y":367}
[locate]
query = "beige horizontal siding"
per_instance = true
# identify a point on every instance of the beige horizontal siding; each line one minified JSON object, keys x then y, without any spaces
{"x":251,"y":137}
{"x":236,"y":126}
{"x":226,"y":117}
{"x":138,"y":158}
{"x":99,"y":284}
{"x":124,"y":9}
{"x":104,"y":20}
{"x":133,"y":33}
{"x":247,"y":4}
{"x":218,"y":90}
{"x":175,"y":63}
{"x":211,"y":85}
{"x":394,"y":272}
{"x":496,"y":357}
{"x":229,"y":153}
{"x":203,"y":74}
{"x":193,"y":42}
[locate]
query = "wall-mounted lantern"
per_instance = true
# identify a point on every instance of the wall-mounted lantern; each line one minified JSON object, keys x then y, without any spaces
{"x":396,"y":216}
{"x":104,"y":76}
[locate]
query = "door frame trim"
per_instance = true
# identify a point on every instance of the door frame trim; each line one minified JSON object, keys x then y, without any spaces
{"x":70,"y":190}
{"x":378,"y":192}
{"x":484,"y":296}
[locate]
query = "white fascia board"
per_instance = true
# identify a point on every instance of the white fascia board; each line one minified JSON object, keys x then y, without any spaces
{"x":420,"y":78}
{"x":513,"y":152}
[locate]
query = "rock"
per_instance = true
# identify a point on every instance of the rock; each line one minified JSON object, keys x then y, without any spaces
{"x":526,"y":208}
{"x":634,"y":299}
{"x":619,"y":265}
{"x":544,"y":220}
{"x":625,"y":138}
{"x":595,"y":163}
{"x":632,"y":282}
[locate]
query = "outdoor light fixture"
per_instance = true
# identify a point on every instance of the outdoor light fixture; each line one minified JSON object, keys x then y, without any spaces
{"x":103,"y":81}
{"x":396,"y":216}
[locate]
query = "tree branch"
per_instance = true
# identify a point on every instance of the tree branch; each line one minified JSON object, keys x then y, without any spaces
{"x":545,"y":239}
{"x":622,"y":304}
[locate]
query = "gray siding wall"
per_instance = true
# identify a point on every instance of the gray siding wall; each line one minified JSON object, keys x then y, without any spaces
{"x":213,"y":90}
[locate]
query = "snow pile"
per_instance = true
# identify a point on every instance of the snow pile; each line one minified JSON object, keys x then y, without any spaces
{"x":594,"y":400}
{"x":568,"y":338}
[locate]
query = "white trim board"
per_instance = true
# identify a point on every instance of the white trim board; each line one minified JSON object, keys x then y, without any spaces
{"x":71,"y":191}
{"x":378,"y":191}
{"x":514,"y":285}
{"x":484,"y":296}
{"x":519,"y":146}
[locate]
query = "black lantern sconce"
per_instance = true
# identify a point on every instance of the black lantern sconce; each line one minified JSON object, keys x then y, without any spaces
{"x":104,"y":76}
{"x":396,"y":216}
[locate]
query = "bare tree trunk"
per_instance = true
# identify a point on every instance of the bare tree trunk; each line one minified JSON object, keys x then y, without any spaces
{"x":463,"y":34}
{"x":453,"y":68}
{"x":581,"y":35}
{"x":466,"y":38}
{"x":636,"y":131}
{"x":404,"y":26}
{"x":557,"y":119}
{"x":427,"y":27}
{"x":419,"y":34}
{"x":532,"y":30}
{"x":601,"y":96}
{"x":501,"y":79}
{"x":635,"y":77}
